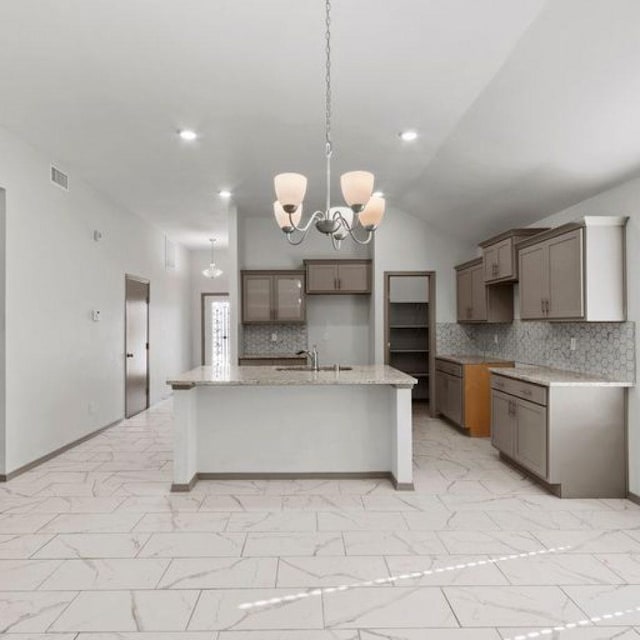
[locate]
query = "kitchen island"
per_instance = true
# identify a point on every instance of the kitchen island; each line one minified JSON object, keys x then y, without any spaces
{"x":270,"y":422}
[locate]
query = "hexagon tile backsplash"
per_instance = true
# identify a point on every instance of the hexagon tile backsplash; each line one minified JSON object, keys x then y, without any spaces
{"x":601,"y":348}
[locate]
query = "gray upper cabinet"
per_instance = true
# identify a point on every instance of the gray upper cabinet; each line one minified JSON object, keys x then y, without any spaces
{"x":499,"y":255}
{"x":338,"y":276}
{"x":575,"y":272}
{"x":256,"y":297}
{"x":273,"y":296}
{"x":478,"y":303}
{"x":289,"y":297}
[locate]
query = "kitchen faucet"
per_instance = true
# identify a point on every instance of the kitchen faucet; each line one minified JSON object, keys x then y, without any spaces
{"x":312,"y":355}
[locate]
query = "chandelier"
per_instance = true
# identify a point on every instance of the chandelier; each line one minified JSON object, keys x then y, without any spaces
{"x":364,"y":211}
{"x":212,"y":271}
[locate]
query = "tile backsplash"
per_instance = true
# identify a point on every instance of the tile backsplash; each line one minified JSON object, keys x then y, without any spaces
{"x":256,"y":339}
{"x":602,"y":348}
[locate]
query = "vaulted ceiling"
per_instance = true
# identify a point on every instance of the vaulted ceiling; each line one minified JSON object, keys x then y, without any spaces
{"x":523,"y":106}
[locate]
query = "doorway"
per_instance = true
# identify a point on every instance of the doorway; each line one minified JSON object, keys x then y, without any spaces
{"x":136,"y":321}
{"x":215,"y":324}
{"x":410,"y":325}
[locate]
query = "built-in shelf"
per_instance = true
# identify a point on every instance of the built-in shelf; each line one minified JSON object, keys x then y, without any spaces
{"x":409,"y":342}
{"x":408,"y":326}
{"x":409,"y":350}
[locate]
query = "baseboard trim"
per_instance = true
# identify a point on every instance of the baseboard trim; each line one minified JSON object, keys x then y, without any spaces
{"x":310,"y":475}
{"x":633,"y":497}
{"x":49,"y":456}
{"x":177,"y":487}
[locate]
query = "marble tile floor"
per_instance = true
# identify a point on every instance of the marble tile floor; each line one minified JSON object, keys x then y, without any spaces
{"x":93,"y":546}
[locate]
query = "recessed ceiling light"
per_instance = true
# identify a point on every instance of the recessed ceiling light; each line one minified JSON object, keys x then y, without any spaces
{"x":378,"y":194}
{"x":187,"y":134}
{"x":408,"y":136}
{"x":224,"y":193}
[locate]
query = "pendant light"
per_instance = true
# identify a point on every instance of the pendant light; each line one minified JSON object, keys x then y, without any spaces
{"x":364,"y":210}
{"x":212,"y":271}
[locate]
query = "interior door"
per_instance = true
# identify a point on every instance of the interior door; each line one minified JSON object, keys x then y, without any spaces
{"x":136,"y":345}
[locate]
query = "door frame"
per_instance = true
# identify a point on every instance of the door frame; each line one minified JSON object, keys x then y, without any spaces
{"x":146,"y":281}
{"x":431,"y":292}
{"x":203,"y":295}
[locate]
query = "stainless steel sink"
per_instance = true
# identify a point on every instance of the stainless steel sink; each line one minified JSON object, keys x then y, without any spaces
{"x":336,"y":368}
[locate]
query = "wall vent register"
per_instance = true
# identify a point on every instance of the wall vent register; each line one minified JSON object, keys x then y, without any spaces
{"x":59,"y":178}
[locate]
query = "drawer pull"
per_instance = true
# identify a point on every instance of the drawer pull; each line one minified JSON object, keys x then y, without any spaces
{"x":526,"y":392}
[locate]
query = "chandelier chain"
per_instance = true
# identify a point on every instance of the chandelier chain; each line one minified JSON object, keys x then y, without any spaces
{"x":327,"y":126}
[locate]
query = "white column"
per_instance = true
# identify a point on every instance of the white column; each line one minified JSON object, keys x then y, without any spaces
{"x":184,"y":438}
{"x":402,"y":464}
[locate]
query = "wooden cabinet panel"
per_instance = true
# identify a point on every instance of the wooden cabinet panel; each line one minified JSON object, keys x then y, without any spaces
{"x":464,"y":297}
{"x":531,"y":436}
{"x":575,"y":272}
{"x":454,"y":399}
{"x":289,"y":298}
{"x":441,"y":392}
{"x":322,"y":278}
{"x":533,"y":282}
{"x":256,"y":298}
{"x":338,"y":276}
{"x":502,"y":423}
{"x":490,"y":262}
{"x":477,"y":302}
{"x":478,"y":294}
{"x":354,"y":278}
{"x":566,"y":287}
{"x":272,"y":297}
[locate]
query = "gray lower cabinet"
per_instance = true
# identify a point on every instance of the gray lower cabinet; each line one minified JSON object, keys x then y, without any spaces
{"x":530,"y":446}
{"x":449,"y":396}
{"x":571,"y":437}
{"x":502,"y":427}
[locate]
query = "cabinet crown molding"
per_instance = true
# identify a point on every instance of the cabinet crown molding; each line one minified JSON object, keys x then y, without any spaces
{"x":512,"y":233}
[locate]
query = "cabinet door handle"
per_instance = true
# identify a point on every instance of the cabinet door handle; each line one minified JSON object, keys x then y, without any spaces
{"x":339,"y":283}
{"x":546,"y":304}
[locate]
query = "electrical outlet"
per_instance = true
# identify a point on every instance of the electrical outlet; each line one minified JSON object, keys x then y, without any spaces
{"x":274,"y":337}
{"x":495,"y":338}
{"x":572,"y":344}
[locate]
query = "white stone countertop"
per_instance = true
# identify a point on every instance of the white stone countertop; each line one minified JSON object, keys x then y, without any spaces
{"x":271,"y":356}
{"x":270,"y":376}
{"x":549,"y":377}
{"x":472,"y":359}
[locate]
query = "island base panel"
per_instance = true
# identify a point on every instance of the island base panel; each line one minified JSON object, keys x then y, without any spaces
{"x":322,"y":430}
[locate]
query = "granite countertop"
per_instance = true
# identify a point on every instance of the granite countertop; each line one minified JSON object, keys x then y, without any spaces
{"x":549,"y":377}
{"x":271,"y":356}
{"x":471,"y":359}
{"x":270,"y":376}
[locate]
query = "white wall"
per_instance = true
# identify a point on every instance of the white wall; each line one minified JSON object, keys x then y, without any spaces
{"x":621,"y":200}
{"x":65,"y":373}
{"x":407,"y":243}
{"x":198,"y":260}
{"x":339,"y":325}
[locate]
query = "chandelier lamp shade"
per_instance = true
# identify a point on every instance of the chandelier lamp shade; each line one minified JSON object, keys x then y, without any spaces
{"x":212,"y":271}
{"x":364,"y":211}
